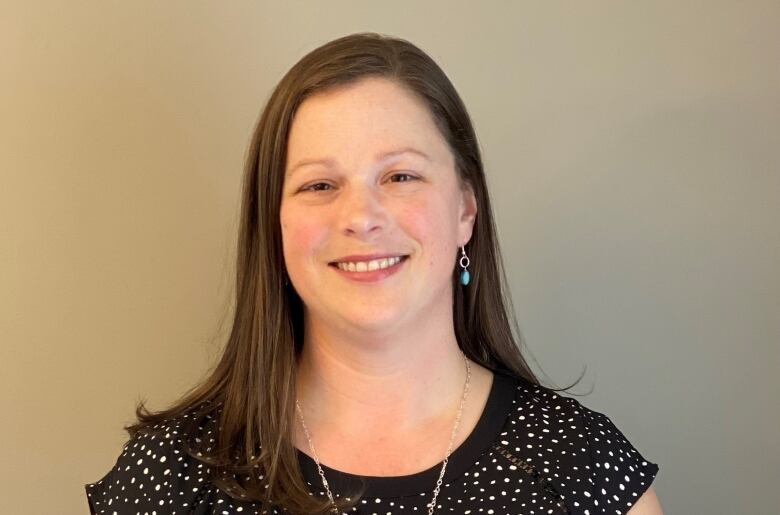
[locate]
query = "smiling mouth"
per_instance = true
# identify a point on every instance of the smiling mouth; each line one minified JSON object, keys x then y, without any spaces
{"x":369,"y":266}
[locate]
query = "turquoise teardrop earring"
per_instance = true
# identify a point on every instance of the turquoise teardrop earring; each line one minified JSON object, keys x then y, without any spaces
{"x":465,"y":276}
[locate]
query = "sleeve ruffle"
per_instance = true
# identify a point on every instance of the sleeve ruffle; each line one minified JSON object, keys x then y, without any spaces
{"x":152,"y":475}
{"x":620,"y":474}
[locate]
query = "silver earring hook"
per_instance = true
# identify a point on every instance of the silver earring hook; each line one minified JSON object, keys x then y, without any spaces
{"x":464,"y":256}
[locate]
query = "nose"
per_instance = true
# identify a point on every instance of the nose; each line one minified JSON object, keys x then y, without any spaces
{"x":362,"y":213}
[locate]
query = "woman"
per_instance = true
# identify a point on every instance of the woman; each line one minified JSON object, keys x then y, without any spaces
{"x":372,"y":366}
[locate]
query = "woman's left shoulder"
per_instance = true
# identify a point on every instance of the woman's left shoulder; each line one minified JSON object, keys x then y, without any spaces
{"x":580,"y":450}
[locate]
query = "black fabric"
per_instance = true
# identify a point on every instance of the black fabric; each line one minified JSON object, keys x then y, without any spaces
{"x":532,"y":451}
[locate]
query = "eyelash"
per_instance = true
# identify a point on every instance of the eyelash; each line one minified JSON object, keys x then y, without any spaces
{"x":311,"y":186}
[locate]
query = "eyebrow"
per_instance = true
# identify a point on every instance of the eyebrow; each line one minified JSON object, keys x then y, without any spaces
{"x":379,"y":157}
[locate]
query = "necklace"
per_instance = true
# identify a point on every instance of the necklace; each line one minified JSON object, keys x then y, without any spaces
{"x":432,"y":504}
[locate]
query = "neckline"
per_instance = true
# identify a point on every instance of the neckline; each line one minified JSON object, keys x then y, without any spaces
{"x":488,"y":427}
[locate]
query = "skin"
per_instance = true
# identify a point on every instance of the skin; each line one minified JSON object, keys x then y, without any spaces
{"x":648,"y":504}
{"x":381,"y":376}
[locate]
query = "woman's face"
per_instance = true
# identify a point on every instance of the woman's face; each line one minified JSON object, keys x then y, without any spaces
{"x":383,"y":184}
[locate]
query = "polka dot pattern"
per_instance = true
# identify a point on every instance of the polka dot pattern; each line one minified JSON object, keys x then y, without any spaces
{"x":533,"y":451}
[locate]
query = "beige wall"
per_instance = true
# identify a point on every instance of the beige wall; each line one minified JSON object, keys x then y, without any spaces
{"x":633,"y":153}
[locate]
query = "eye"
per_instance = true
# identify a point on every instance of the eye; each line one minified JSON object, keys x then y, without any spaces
{"x":314,"y":187}
{"x":410,"y":177}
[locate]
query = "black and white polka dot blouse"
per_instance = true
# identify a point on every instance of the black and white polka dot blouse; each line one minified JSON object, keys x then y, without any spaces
{"x":532,"y":451}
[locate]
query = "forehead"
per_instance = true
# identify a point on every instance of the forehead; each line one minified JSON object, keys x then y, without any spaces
{"x":361,"y":120}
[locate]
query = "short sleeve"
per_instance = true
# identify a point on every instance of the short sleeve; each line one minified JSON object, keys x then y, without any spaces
{"x":151,"y":475}
{"x":97,"y":493}
{"x":619,"y":472}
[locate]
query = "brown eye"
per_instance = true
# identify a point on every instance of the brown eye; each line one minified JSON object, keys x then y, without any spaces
{"x":314,"y":187}
{"x":409,"y":176}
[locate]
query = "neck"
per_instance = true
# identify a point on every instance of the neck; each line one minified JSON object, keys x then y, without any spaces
{"x":355,"y":385}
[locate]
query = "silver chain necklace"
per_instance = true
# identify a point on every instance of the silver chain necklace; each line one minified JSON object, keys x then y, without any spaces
{"x":432,"y":504}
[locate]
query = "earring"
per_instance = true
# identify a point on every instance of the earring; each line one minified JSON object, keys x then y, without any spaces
{"x":465,"y":276}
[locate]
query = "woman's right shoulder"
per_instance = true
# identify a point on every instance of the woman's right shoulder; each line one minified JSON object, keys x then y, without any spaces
{"x":154,"y":471}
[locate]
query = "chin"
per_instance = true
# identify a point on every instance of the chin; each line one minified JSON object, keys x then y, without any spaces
{"x":373,"y":321}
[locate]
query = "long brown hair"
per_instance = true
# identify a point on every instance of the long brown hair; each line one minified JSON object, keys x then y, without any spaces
{"x":251,"y":390}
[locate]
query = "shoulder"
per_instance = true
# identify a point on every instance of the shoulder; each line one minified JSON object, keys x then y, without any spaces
{"x":154,"y":471}
{"x":586,"y":458}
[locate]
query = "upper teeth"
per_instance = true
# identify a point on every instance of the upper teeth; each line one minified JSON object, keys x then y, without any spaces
{"x":368,"y":266}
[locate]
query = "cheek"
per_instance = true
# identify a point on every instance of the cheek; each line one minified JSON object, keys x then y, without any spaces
{"x":432,"y":225}
{"x":301,"y":237}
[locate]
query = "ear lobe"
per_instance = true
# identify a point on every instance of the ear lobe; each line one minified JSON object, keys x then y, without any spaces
{"x":468,"y":205}
{"x":468,"y":213}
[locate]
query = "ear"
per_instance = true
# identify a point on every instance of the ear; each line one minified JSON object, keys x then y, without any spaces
{"x":467,"y":214}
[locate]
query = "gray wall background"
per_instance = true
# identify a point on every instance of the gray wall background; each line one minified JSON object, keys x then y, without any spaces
{"x":632,"y":150}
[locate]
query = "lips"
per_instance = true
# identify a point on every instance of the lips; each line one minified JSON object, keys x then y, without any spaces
{"x":367,"y":272}
{"x":356,"y":258}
